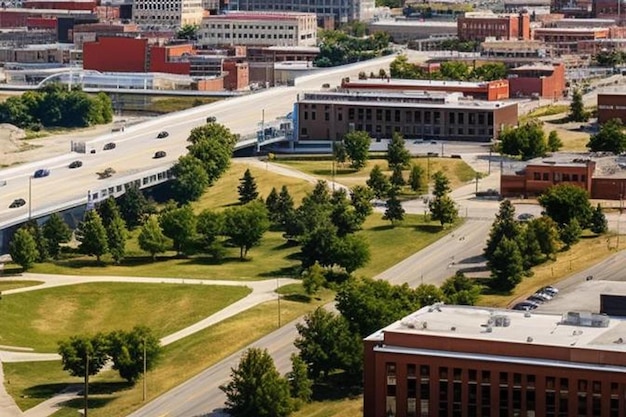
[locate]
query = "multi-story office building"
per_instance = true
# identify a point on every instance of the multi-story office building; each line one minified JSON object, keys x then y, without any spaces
{"x":429,"y":115}
{"x":477,"y":26}
{"x":259,"y":29}
{"x":172,"y":13}
{"x":462,"y":361}
{"x":328,"y":13}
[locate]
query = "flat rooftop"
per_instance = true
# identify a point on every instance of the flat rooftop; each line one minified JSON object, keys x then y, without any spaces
{"x":414,"y":24}
{"x":259,"y":16}
{"x":467,"y":322}
{"x":375,"y":82}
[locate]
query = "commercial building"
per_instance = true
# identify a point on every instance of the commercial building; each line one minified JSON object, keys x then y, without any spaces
{"x":330,"y":115}
{"x":404,"y":30}
{"x":173,"y":13}
{"x":477,"y":26}
{"x":566,"y":40}
{"x":329,"y":14}
{"x":487,"y":90}
{"x":259,"y":29}
{"x":470,"y":361}
{"x":611,"y":106}
{"x":579,"y":9}
{"x":538,"y":80}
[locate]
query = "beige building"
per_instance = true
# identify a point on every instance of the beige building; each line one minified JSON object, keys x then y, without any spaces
{"x":259,"y":29}
{"x":172,"y":13}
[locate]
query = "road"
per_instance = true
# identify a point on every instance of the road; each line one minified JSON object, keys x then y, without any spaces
{"x":137,"y":144}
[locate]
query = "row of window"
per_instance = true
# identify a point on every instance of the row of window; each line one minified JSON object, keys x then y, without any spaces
{"x":256,"y":27}
{"x":247,"y":36}
{"x":413,"y":131}
{"x":559,"y":177}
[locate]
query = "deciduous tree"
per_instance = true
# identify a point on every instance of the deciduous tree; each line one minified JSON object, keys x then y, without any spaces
{"x":397,"y":154}
{"x":300,"y":385}
{"x":378,"y":182}
{"x":179,"y":224}
{"x":134,"y":207}
{"x":92,"y":235}
{"x":610,"y":138}
{"x":246,"y":225}
{"x":460,"y":290}
{"x":56,"y":231}
{"x":129,"y":350}
{"x":151,"y":238}
{"x":357,"y":146}
{"x":190,"y":179}
{"x":565,"y":202}
{"x":313,"y":279}
{"x":23,"y":248}
{"x":416,"y":178}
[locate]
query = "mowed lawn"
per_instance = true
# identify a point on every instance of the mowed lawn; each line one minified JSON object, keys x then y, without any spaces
{"x":10,"y":284}
{"x":39,"y":319}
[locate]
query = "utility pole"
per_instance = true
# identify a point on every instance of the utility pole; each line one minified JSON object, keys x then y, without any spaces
{"x":145,"y":362}
{"x":86,"y":382}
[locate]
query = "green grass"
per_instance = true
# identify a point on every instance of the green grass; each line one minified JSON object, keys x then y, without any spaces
{"x":6,"y":285}
{"x":543,"y":111}
{"x":349,"y":407}
{"x":39,"y":319}
{"x":173,"y":104}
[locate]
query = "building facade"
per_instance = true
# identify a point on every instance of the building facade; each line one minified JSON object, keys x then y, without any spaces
{"x":330,"y":115}
{"x":477,"y":26}
{"x":259,"y":29}
{"x":567,"y":40}
{"x":461,"y":361}
{"x":611,"y":106}
{"x":538,"y":80}
{"x":172,"y":13}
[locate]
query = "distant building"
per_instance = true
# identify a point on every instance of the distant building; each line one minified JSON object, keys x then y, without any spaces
{"x":538,"y":80}
{"x":403,"y":31}
{"x":611,"y":106}
{"x":474,"y":361}
{"x":330,"y":115}
{"x":478,"y":26}
{"x":259,"y":29}
{"x":567,"y":40}
{"x":173,"y":13}
{"x":488,"y":90}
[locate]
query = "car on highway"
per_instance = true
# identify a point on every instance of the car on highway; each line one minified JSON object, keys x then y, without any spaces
{"x":525,"y":306}
{"x":18,"y":202}
{"x":109,"y":146}
{"x":106,"y":173}
{"x":160,"y":154}
{"x":76,"y":164}
{"x":40,"y":173}
{"x":162,"y":135}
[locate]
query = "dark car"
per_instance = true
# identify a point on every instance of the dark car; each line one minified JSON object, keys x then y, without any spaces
{"x":18,"y":202}
{"x":40,"y":173}
{"x":76,"y":164}
{"x":525,"y":305}
{"x":159,"y":154}
{"x":162,"y":135}
{"x":109,"y":146}
{"x":524,"y":217}
{"x":535,"y":299}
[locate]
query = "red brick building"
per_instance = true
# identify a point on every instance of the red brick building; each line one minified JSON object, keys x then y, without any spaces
{"x":488,"y":90}
{"x":611,"y":106}
{"x":477,"y":26}
{"x":567,"y":40}
{"x":538,"y":80}
{"x":237,"y":75}
{"x":462,"y":361}
{"x":104,"y":54}
{"x":86,"y":5}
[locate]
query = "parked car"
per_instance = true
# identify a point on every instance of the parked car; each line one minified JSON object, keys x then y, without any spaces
{"x":525,"y":306}
{"x":524,"y":217}
{"x":18,"y":202}
{"x":162,"y":135}
{"x":543,"y":295}
{"x":550,"y":290}
{"x":159,"y":154}
{"x":536,"y":299}
{"x":76,"y":164}
{"x":40,"y":173}
{"x":109,"y":146}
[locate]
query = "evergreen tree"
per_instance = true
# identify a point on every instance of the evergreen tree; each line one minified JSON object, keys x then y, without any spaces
{"x":151,"y":238}
{"x":92,"y":235}
{"x":570,"y":232}
{"x":285,"y":207}
{"x":598,"y":223}
{"x":416,"y":178}
{"x":300,"y":385}
{"x":108,"y":210}
{"x":529,"y":247}
{"x":577,"y":111}
{"x":442,"y":207}
{"x":247,"y":188}
{"x":397,"y":154}
{"x":506,"y":266}
{"x":394,"y":211}
{"x":116,"y":238}
{"x":271,"y":203}
{"x":554,"y":141}
{"x":56,"y":231}
{"x":339,"y":153}
{"x":256,"y":388}
{"x":460,"y":290}
{"x":343,"y":214}
{"x":397,"y":178}
{"x":378,"y":182}
{"x":134,"y":207}
{"x":503,"y":226}
{"x":40,"y":240}
{"x":361,"y":197}
{"x":547,"y":234}
{"x":23,"y":248}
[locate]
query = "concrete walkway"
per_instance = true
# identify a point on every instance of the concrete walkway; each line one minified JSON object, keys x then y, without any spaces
{"x":262,"y":291}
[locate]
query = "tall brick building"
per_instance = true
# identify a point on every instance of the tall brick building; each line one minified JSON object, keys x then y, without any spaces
{"x":477,"y":26}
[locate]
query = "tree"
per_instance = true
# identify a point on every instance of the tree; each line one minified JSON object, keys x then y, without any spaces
{"x":547,"y":234}
{"x":23,"y":248}
{"x":116,"y":238}
{"x":416,"y":178}
{"x":460,"y":290}
{"x":570,"y":232}
{"x":351,"y":252}
{"x":554,"y":141}
{"x":527,"y":140}
{"x":344,"y":215}
{"x":271,"y":203}
{"x":246,"y":225}
{"x":394,"y":212}
{"x":357,"y":146}
{"x":300,"y":385}
{"x":213,"y":145}
{"x":577,"y":112}
{"x":210,"y":227}
{"x":378,"y":182}
{"x":179,"y":224}
{"x":256,"y":388}
{"x":397,"y":154}
{"x":40,"y":240}
{"x":190,"y":179}
{"x":442,"y":207}
{"x":529,"y":248}
{"x":397,"y":178}
{"x":92,"y":235}
{"x":339,"y":153}
{"x":503,"y":226}
{"x":565,"y":202}
{"x":598,"y":223}
{"x":361,"y":197}
{"x":326,"y":344}
{"x":56,"y":231}
{"x":107,"y":210}
{"x":610,"y":138}
{"x":151,"y":238}
{"x":247,"y":188}
{"x":188,"y":32}
{"x":285,"y":207}
{"x":313,"y":279}
{"x":506,"y":266}
{"x":134,"y":207}
{"x":127,"y":350}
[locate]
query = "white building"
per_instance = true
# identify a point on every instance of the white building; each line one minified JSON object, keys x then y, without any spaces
{"x":172,"y":13}
{"x":259,"y":29}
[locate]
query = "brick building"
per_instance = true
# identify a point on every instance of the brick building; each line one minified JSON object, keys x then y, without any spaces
{"x":330,"y":115}
{"x":488,"y":90}
{"x":471,"y":361}
{"x":538,"y":80}
{"x":477,"y":26}
{"x":566,"y":40}
{"x":85,"y":5}
{"x":172,"y":13}
{"x":611,"y":106}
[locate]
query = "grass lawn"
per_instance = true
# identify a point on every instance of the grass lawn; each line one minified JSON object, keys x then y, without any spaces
{"x":173,"y":104}
{"x":457,"y":171}
{"x":39,"y":319}
{"x":181,"y":360}
{"x":6,"y":285}
{"x":352,"y":407}
{"x":573,"y":141}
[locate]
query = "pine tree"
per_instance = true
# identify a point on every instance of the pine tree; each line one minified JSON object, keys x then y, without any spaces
{"x":23,"y":248}
{"x":301,"y":386}
{"x":554,"y":141}
{"x":397,"y":178}
{"x":598,"y":223}
{"x":506,"y":266}
{"x":416,"y":178}
{"x":285,"y":207}
{"x":40,"y":240}
{"x":570,"y":232}
{"x":394,"y":211}
{"x":271,"y":202}
{"x":503,"y":226}
{"x":397,"y":154}
{"x":107,"y":210}
{"x":116,"y":237}
{"x":247,"y":188}
{"x":442,"y":207}
{"x":151,"y":238}
{"x":577,"y":111}
{"x":378,"y":182}
{"x":92,"y":235}
{"x":56,"y":231}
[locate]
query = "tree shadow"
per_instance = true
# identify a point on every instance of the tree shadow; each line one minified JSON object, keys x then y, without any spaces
{"x":11,"y":270}
{"x":476,"y":259}
{"x":428,"y":228}
{"x":298,"y":298}
{"x":286,"y":271}
{"x":45,"y":391}
{"x":383,"y":227}
{"x":336,"y":387}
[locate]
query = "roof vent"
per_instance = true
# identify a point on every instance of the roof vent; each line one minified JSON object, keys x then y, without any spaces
{"x":453,"y":328}
{"x":527,"y":314}
{"x":577,"y":332}
{"x":489,"y":329}
{"x":529,"y":339}
{"x":424,"y":326}
{"x":619,"y":341}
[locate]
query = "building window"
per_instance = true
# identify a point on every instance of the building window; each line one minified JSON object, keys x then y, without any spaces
{"x":565,"y":177}
{"x":390,"y":405}
{"x":451,"y":117}
{"x":536,"y":176}
{"x":545,"y":177}
{"x":304,"y":131}
{"x":575,"y":177}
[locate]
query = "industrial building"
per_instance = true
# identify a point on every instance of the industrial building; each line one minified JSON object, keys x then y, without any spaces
{"x":463,"y":361}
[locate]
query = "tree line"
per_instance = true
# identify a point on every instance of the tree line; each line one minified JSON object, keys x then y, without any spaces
{"x":339,"y":48}
{"x":400,"y":67}
{"x":54,"y":106}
